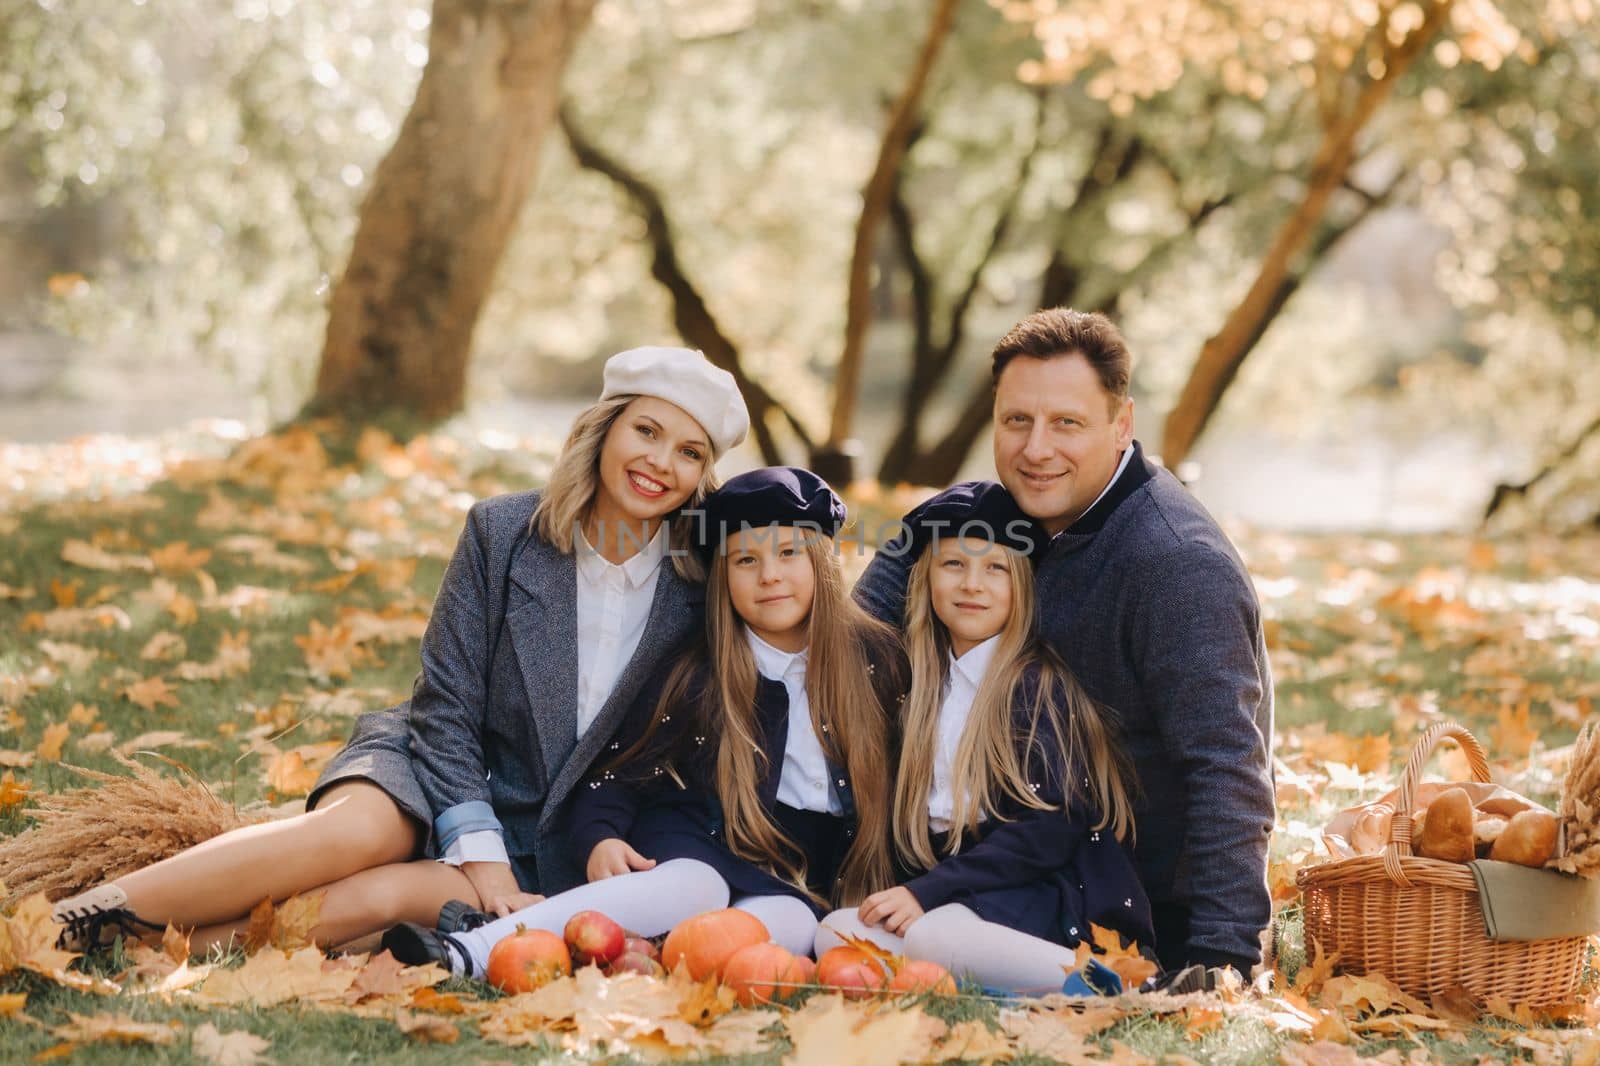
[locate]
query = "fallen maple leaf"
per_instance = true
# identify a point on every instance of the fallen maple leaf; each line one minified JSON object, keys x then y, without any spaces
{"x":83,"y":714}
{"x":75,"y":657}
{"x":151,"y":693}
{"x":829,"y":1032}
{"x":164,"y":645}
{"x":237,"y":1048}
{"x":439,"y":1002}
{"x":13,"y":793}
{"x":270,"y":977}
{"x":178,"y":558}
{"x":426,"y":1028}
{"x":294,"y":919}
{"x":54,"y":739}
{"x":331,"y":651}
{"x":1132,"y":967}
{"x":294,"y":772}
{"x":109,"y":1028}
{"x":82,"y":553}
{"x":11,"y":1004}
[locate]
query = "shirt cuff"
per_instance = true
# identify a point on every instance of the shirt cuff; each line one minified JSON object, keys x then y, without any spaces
{"x":474,"y":816}
{"x":484,"y":845}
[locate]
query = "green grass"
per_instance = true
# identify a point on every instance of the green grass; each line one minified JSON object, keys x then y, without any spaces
{"x":1348,"y":656}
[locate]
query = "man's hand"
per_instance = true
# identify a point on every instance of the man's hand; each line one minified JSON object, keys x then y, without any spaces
{"x":612,"y":857}
{"x":893,"y":908}
{"x":497,"y":888}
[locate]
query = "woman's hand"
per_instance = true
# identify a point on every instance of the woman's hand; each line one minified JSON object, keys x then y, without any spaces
{"x":497,"y":888}
{"x":612,"y":857}
{"x":893,"y":908}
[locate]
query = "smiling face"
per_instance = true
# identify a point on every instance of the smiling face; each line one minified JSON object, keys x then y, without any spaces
{"x":771,"y":583}
{"x":970,"y":585}
{"x":653,"y":457}
{"x":1058,"y":436}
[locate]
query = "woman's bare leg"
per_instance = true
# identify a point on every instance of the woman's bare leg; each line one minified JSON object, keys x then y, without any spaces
{"x":366,"y":903}
{"x":355,"y":827}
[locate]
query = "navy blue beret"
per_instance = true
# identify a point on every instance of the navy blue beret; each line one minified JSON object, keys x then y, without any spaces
{"x":971,"y":509}
{"x":770,"y":496}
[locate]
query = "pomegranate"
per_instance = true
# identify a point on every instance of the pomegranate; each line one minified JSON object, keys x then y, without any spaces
{"x":852,"y":971}
{"x":527,"y":959}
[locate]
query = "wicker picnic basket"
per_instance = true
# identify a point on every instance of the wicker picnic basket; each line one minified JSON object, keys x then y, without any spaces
{"x":1418,"y":921}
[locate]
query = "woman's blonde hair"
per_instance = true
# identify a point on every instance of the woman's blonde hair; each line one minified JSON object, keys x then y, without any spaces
{"x":989,"y":765}
{"x":850,"y":722}
{"x":575,"y":480}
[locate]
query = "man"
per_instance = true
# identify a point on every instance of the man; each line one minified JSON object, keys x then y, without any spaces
{"x":1147,"y":601}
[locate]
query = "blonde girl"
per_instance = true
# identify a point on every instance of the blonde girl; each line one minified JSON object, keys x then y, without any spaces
{"x":756,"y":770}
{"x":1011,"y":805}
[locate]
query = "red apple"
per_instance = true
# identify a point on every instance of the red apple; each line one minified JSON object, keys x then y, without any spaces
{"x":635,"y":962}
{"x":919,"y":975}
{"x":593,"y":938}
{"x":638,"y":945}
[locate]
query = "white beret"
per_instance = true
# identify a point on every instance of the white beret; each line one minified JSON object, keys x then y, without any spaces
{"x":684,"y":377}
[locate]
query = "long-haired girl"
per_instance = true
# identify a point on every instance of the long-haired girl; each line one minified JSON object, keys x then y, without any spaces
{"x":758,"y":772}
{"x":1011,"y":802}
{"x":555,"y":610}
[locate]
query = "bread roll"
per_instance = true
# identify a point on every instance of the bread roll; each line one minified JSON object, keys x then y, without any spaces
{"x":1529,"y":839}
{"x":1447,"y":830}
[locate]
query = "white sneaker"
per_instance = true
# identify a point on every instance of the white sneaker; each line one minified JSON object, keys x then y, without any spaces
{"x":89,"y":916}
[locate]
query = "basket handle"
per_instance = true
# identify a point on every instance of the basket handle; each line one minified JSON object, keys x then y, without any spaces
{"x":1400,"y":825}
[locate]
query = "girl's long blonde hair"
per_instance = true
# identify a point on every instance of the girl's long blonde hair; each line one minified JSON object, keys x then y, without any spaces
{"x":990,"y":766}
{"x":575,"y":480}
{"x":850,"y":722}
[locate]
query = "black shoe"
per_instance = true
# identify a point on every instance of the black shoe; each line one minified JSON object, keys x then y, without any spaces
{"x":94,"y":919}
{"x":417,"y":945}
{"x":459,"y":916}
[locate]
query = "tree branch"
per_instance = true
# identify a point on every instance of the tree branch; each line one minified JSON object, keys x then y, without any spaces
{"x":874,"y":208}
{"x":690,"y":314}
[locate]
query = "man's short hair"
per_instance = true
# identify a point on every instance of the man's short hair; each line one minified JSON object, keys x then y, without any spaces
{"x":1062,"y":331}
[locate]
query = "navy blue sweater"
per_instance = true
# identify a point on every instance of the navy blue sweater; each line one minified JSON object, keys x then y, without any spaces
{"x":1151,"y":607}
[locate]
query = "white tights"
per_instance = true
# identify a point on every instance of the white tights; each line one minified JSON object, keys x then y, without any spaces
{"x":649,"y":902}
{"x":995,"y":955}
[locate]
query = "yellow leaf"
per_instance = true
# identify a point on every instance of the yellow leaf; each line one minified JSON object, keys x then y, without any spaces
{"x":55,"y":736}
{"x":1512,"y":734}
{"x":270,"y":977}
{"x":164,"y":645}
{"x":82,"y":553}
{"x":238,"y":1048}
{"x":439,"y":1002}
{"x":11,"y":1004}
{"x":151,"y":693}
{"x":331,"y":651}
{"x":829,"y":1032}
{"x":426,"y":1028}
{"x":83,"y":714}
{"x":177,"y":558}
{"x":75,"y":657}
{"x":294,"y":772}
{"x":13,"y":793}
{"x":116,"y":1028}
{"x":294,"y":920}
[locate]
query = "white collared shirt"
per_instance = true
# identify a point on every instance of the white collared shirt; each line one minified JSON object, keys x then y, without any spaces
{"x":803,"y":782}
{"x":1127,"y":455}
{"x":960,"y":689}
{"x":613,"y":606}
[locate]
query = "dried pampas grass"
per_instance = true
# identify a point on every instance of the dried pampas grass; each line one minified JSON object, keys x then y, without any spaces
{"x":1580,"y":807}
{"x":87,"y":836}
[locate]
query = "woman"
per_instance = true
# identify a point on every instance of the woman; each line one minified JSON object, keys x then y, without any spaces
{"x":555,"y":609}
{"x":759,"y":773}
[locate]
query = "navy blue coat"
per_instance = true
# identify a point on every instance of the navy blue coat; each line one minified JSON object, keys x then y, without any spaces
{"x":642,"y":803}
{"x":1046,"y":873}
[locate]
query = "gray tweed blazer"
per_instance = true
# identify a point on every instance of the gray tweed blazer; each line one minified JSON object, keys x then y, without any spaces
{"x":493,"y":714}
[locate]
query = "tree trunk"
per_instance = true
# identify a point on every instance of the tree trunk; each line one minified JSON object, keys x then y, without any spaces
{"x":874,"y":208}
{"x":443,"y":206}
{"x":1225,"y":351}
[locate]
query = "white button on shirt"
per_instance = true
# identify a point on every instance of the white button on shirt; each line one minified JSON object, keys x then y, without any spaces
{"x":613,"y":606}
{"x":961,"y":688}
{"x":803,"y":782}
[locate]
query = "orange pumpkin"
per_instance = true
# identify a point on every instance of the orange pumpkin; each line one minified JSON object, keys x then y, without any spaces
{"x":851,"y":970}
{"x":919,"y":975}
{"x":759,"y":972}
{"x":705,"y":942}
